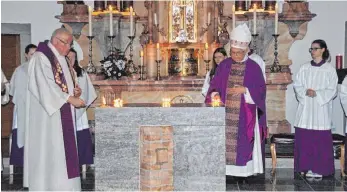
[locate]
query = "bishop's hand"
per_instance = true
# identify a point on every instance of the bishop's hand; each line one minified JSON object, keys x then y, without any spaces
{"x":77,"y":91}
{"x":76,"y":102}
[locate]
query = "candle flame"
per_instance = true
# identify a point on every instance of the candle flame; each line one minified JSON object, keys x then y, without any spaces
{"x":141,"y":53}
{"x":118,"y":103}
{"x":206,"y":45}
{"x":158,"y":46}
{"x":110,"y":7}
{"x":215,"y":102}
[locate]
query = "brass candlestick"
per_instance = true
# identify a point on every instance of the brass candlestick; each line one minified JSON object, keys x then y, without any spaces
{"x":158,"y":69}
{"x":275,"y":68}
{"x":254,"y":42}
{"x":207,"y":65}
{"x":91,"y":68}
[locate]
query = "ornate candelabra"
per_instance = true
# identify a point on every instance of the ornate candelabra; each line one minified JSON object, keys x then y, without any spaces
{"x":254,"y":42}
{"x":91,"y":68}
{"x":275,"y":68}
{"x":141,"y":72}
{"x":131,"y":62}
{"x":158,"y":69}
{"x":207,"y":65}
{"x":111,"y":45}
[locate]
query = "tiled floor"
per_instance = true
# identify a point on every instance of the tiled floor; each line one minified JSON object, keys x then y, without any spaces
{"x":286,"y":180}
{"x":283,"y":180}
{"x":15,"y":182}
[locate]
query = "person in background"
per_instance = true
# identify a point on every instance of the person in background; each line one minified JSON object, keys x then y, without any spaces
{"x":84,"y":139}
{"x":18,"y":87}
{"x":218,"y":56}
{"x":315,"y":87}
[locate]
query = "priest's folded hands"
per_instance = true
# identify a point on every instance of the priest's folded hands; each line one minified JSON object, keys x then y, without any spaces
{"x":76,"y":102}
{"x":311,"y":93}
{"x":77,"y":91}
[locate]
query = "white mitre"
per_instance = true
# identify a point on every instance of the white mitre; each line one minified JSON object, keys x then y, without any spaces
{"x":240,"y":37}
{"x":78,"y":50}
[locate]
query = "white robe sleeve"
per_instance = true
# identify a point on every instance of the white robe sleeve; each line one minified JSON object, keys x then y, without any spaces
{"x":5,"y":85}
{"x":206,"y":85}
{"x":42,"y":86}
{"x":88,"y":93}
{"x":248,"y":97}
{"x":343,"y":95}
{"x":329,"y":92}
{"x":299,"y":87}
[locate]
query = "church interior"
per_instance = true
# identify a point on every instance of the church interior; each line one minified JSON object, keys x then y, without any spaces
{"x":147,"y":61}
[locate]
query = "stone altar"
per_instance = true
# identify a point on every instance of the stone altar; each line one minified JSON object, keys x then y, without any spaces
{"x":198,"y":135}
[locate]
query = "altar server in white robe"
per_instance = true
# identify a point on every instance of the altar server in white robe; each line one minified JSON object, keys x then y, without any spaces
{"x":218,"y":56}
{"x":315,"y":86}
{"x":50,"y":138}
{"x":84,"y":139}
{"x":18,"y":87}
{"x":5,"y":97}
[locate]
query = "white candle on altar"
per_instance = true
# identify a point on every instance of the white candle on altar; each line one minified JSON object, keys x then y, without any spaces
{"x":276,"y":19}
{"x":234,"y":18}
{"x":90,"y":20}
{"x":255,"y":19}
{"x":209,"y":18}
{"x":158,"y":51}
{"x":155,"y":19}
{"x":206,"y":51}
{"x":131,"y":21}
{"x":111,"y":21}
{"x":141,"y":58}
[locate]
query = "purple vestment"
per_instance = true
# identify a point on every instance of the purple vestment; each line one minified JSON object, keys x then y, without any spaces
{"x":68,"y":129}
{"x":254,"y":81}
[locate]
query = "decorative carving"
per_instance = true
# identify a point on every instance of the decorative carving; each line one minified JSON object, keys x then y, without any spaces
{"x":220,"y":5}
{"x":223,"y":36}
{"x":144,"y":37}
{"x":148,"y":4}
{"x":294,"y":14}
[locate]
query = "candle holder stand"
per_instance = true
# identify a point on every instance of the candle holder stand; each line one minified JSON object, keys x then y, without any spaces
{"x":111,"y":51}
{"x":275,"y":68}
{"x":207,"y":65}
{"x":254,"y":42}
{"x":91,"y":68}
{"x":158,"y":69}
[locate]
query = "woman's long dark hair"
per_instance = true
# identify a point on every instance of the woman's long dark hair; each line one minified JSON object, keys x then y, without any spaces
{"x":323,"y":44}
{"x":214,"y":64}
{"x":76,"y":66}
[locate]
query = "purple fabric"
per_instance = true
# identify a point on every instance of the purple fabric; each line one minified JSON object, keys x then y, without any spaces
{"x":314,"y":64}
{"x":254,"y":81}
{"x":85,"y":147}
{"x":17,"y":154}
{"x":314,"y":151}
{"x":71,"y":154}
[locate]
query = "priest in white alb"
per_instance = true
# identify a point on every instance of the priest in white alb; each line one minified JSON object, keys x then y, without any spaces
{"x":50,"y":151}
{"x":315,"y":86}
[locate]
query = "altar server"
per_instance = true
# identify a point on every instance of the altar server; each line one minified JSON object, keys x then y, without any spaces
{"x":315,"y":87}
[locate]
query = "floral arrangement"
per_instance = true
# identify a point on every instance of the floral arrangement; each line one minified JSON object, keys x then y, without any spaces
{"x":114,"y":66}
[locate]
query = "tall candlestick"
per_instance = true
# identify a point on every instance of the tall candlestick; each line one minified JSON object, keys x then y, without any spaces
{"x":131,"y":21}
{"x":209,"y":18}
{"x":90,"y":20}
{"x":155,"y":19}
{"x":158,"y":51}
{"x":234,"y":18}
{"x":255,"y":19}
{"x":339,"y":61}
{"x":111,"y":21}
{"x":276,"y":19}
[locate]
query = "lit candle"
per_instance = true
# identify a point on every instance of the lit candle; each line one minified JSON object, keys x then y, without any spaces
{"x":255,"y":19}
{"x":339,"y":61}
{"x":141,"y":58}
{"x":166,"y":102}
{"x":215,"y":102}
{"x":209,"y":18}
{"x":206,"y":51}
{"x":103,"y":101}
{"x":111,"y":21}
{"x":118,"y":103}
{"x":276,"y":19}
{"x":158,"y":51}
{"x":90,"y":20}
{"x":131,"y":21}
{"x":155,"y":19}
{"x":234,"y":18}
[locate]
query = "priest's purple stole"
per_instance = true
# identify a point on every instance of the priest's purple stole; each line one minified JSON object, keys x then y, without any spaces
{"x":71,"y":154}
